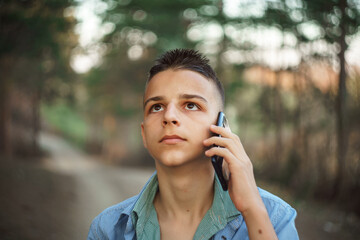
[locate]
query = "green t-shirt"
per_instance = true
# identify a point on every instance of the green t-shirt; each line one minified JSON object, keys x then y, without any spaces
{"x":216,"y":218}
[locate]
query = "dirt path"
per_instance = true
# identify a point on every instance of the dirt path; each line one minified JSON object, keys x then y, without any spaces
{"x":98,"y":186}
{"x":58,"y":198}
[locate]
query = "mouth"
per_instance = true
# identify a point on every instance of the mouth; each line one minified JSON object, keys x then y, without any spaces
{"x":171,"y":139}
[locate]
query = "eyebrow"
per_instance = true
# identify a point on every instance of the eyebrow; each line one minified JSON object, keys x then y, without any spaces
{"x":157,"y":98}
{"x":182,"y":96}
{"x":191,"y":96}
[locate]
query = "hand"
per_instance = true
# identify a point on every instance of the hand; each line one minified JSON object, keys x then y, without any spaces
{"x":242,"y":186}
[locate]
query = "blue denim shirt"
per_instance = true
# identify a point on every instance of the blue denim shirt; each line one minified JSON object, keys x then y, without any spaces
{"x":116,"y":222}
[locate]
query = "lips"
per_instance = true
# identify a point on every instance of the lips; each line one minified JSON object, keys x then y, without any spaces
{"x":171,"y":139}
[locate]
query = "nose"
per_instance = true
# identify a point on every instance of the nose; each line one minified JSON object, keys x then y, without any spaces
{"x":171,"y":116}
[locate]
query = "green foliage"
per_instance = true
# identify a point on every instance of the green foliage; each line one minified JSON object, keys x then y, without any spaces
{"x":326,"y":18}
{"x":32,"y":23}
{"x":35,"y":39}
{"x":163,"y":18}
{"x":67,"y":120}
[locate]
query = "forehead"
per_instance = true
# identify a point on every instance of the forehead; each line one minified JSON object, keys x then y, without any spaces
{"x":172,"y":82}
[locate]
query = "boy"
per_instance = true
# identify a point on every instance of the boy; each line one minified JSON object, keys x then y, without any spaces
{"x":184,"y":199}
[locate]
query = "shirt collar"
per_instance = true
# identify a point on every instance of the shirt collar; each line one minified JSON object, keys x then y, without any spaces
{"x":144,"y":217}
{"x":217,"y":217}
{"x":128,"y":213}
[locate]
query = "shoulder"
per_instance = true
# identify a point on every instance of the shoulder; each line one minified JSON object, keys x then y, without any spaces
{"x":272,"y":200}
{"x":275,"y":206}
{"x":105,"y":223}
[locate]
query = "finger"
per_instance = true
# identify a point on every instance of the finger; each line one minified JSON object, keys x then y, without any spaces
{"x":219,"y":141}
{"x":224,"y":132}
{"x":234,"y":146}
{"x":235,"y":166}
{"x":223,"y":142}
{"x":222,"y":152}
{"x":220,"y":130}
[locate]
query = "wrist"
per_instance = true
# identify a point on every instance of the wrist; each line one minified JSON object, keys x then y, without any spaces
{"x":258,"y":223}
{"x":255,"y":210}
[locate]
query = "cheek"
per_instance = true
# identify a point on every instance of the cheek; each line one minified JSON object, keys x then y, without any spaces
{"x":148,"y":130}
{"x":203,"y":127}
{"x":203,"y":130}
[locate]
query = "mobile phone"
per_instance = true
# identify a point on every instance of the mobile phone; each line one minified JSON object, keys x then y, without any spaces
{"x":220,"y":166}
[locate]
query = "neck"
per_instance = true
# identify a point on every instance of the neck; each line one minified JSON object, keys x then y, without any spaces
{"x":185,"y":191}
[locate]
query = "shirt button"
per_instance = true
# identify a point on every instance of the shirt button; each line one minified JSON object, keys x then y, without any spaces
{"x":223,"y":237}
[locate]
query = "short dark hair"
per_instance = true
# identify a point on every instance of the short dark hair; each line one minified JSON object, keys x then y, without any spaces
{"x":190,"y":60}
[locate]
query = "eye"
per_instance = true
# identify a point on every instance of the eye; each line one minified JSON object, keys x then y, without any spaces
{"x":191,"y":106}
{"x":156,"y":108}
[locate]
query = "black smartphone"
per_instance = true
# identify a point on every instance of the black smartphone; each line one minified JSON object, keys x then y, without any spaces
{"x":220,"y":166}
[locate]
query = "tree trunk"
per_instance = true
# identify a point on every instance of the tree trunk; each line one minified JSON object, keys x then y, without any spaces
{"x":5,"y":110}
{"x":278,"y":115}
{"x":341,"y":108}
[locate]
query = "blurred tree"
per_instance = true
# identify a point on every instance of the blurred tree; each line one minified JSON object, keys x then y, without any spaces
{"x":160,"y":23}
{"x":36,"y":38}
{"x":329,"y":25}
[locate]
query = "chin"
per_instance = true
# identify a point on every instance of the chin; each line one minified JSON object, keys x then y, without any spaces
{"x":177,"y":159}
{"x":172,"y":159}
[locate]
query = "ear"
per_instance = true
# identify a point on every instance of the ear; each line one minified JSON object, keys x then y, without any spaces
{"x":143,"y":135}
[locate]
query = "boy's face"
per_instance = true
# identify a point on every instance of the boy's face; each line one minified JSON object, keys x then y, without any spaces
{"x":180,"y":106}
